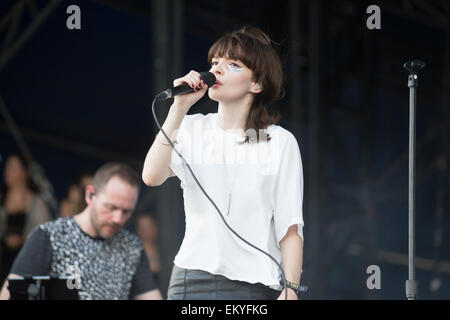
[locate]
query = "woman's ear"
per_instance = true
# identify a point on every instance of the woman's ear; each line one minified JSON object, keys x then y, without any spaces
{"x":256,"y":87}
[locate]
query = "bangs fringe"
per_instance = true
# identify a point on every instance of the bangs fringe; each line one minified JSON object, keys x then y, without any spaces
{"x":238,"y":47}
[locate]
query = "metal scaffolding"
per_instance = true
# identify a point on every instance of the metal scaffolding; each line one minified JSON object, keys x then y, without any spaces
{"x":15,"y":39}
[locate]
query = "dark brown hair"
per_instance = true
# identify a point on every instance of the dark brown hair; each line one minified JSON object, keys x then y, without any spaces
{"x":254,"y":48}
{"x":114,"y":169}
{"x":25,"y":164}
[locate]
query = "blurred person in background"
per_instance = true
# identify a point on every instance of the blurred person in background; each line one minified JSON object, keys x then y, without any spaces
{"x":21,"y":210}
{"x":84,"y":181}
{"x":147,"y":231}
{"x":73,"y":202}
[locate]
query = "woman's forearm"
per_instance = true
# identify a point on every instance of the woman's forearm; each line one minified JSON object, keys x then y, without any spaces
{"x":292,"y":255}
{"x":156,"y":166}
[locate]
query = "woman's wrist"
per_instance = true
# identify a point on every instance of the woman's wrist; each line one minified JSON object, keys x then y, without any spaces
{"x":290,"y":293}
{"x":163,"y":140}
{"x":179,"y":108}
{"x":291,"y":286}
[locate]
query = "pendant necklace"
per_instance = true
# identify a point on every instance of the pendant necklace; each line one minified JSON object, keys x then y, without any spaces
{"x":228,"y":180}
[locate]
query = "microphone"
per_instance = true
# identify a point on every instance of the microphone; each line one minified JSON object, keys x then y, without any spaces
{"x":208,"y":77}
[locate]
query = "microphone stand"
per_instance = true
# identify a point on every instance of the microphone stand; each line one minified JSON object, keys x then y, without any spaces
{"x":414,"y":67}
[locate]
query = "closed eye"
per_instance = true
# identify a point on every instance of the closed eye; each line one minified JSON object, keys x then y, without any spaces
{"x":112,"y":207}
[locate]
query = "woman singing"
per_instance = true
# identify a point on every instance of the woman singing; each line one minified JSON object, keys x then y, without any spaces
{"x":249,"y":166}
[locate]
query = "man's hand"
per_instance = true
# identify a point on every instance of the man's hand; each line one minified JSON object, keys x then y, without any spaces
{"x":154,"y":294}
{"x":4,"y":294}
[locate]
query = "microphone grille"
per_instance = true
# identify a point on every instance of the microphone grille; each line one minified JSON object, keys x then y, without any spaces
{"x":208,"y":77}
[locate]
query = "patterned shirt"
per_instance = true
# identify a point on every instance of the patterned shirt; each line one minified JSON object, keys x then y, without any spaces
{"x":107,"y":269}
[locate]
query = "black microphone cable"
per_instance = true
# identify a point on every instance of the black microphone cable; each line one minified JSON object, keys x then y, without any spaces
{"x":215,"y":206}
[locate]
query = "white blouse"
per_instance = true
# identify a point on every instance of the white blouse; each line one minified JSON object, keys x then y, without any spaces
{"x":258,"y":188}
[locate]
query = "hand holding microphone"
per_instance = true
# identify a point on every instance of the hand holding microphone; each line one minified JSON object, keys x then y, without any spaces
{"x":189,"y":89}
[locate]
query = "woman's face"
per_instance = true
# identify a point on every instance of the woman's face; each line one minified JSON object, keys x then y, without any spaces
{"x":14,"y":173}
{"x":234,"y":80}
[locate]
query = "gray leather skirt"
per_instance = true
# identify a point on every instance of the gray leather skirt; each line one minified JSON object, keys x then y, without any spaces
{"x":186,"y":284}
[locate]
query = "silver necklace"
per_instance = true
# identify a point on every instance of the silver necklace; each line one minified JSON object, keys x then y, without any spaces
{"x":230,"y":192}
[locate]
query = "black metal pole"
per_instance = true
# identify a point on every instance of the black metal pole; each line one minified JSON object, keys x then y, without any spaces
{"x":412,"y":285}
{"x":314,"y":176}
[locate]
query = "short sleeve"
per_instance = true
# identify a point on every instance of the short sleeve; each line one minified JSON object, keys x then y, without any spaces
{"x":35,"y":257}
{"x":288,"y":191}
{"x":143,"y":280}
